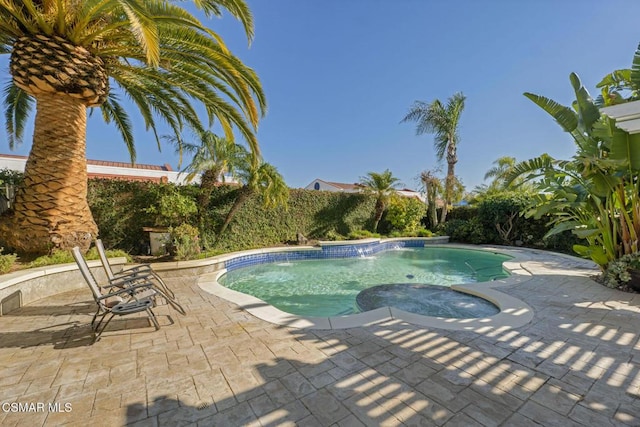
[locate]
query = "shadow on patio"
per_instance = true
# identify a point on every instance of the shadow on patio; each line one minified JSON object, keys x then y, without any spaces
{"x":562,"y":369}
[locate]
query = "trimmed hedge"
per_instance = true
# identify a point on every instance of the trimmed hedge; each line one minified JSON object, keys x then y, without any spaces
{"x":122,"y":208}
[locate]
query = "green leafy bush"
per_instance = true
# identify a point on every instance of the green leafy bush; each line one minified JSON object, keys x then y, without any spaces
{"x":185,"y":241}
{"x":404,"y":214}
{"x":362,"y":234}
{"x":65,"y":257}
{"x":500,"y":215}
{"x":11,"y":177}
{"x":120,"y":209}
{"x":6,"y":262}
{"x":333,"y":236}
{"x":466,"y":231}
{"x":423,"y":232}
{"x":173,"y":208}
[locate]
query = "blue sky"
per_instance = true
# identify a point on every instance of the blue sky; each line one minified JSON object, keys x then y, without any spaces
{"x":340,"y":75}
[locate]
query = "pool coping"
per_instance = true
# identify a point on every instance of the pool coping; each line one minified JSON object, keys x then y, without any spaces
{"x":513,"y":312}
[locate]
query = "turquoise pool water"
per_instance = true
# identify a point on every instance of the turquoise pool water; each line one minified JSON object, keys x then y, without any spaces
{"x":329,"y":287}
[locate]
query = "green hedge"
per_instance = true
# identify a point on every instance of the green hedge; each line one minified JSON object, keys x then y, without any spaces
{"x":477,"y":225}
{"x":121,"y":210}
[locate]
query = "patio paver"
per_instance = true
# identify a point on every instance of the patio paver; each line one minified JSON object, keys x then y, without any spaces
{"x":577,"y":363}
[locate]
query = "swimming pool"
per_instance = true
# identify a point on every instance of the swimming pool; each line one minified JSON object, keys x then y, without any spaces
{"x":329,"y":287}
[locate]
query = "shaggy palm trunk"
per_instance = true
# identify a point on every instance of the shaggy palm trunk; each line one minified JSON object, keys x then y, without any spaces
{"x":432,"y":211}
{"x":452,"y":159}
{"x":51,"y":209}
{"x":243,"y":195}
{"x":207,"y":184}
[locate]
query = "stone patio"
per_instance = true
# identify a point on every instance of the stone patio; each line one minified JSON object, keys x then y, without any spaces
{"x":576,"y":364}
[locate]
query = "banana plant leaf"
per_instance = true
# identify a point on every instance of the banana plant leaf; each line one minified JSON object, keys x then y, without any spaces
{"x":626,"y":147}
{"x":565,"y":116}
{"x":588,"y":113}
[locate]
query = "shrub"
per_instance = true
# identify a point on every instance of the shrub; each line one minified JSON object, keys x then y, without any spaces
{"x":362,"y":234}
{"x":65,"y":257}
{"x":120,"y":209}
{"x":57,"y":257}
{"x":185,"y":241}
{"x":424,"y":233}
{"x":173,"y":208}
{"x":404,"y":214}
{"x":6,"y":262}
{"x":465,"y":231}
{"x":333,"y":236}
{"x":500,"y":215}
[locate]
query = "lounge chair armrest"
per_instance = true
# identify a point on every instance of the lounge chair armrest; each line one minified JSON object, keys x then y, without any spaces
{"x":128,"y":290}
{"x":129,"y":279}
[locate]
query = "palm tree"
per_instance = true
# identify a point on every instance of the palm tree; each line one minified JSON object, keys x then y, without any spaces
{"x":257,"y":178}
{"x":441,"y":120}
{"x":499,"y":171}
{"x":382,"y":185}
{"x":214,"y":156}
{"x":66,"y":56}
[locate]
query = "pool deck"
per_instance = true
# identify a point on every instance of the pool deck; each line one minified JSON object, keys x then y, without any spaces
{"x":576,"y":363}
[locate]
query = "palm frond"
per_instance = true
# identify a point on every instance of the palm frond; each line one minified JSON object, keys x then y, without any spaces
{"x":18,"y":104}
{"x":113,"y":111}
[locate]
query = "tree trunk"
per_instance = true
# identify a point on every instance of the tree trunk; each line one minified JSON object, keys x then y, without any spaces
{"x":51,"y":210}
{"x":448,"y":189}
{"x":240,"y":200}
{"x":379,"y":211}
{"x":207,"y":184}
{"x":432,"y":210}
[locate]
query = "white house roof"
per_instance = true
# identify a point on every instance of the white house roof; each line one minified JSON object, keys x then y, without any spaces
{"x":627,"y":115}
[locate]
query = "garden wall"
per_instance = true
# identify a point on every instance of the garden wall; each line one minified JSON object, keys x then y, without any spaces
{"x":121,"y":209}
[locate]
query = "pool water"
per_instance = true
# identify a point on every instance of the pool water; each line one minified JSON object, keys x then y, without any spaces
{"x":329,"y":287}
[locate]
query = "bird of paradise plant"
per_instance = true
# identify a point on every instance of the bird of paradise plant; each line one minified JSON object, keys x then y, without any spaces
{"x":595,"y":194}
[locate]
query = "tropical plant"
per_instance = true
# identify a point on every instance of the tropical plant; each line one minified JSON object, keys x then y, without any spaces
{"x":618,"y":271}
{"x":595,"y":194}
{"x":382,"y":185}
{"x":66,"y":55}
{"x":621,"y":86}
{"x":501,"y":169}
{"x":433,"y":189}
{"x":257,"y":178}
{"x":442,"y":121}
{"x":213,"y":158}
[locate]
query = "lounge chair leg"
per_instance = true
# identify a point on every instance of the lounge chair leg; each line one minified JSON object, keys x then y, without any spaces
{"x":152,"y":316}
{"x":105,"y":325}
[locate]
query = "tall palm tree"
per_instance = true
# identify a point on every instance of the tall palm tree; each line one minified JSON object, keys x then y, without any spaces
{"x":67,"y":54}
{"x":442,"y":121}
{"x":382,"y":185}
{"x":257,"y":178}
{"x":213,"y":158}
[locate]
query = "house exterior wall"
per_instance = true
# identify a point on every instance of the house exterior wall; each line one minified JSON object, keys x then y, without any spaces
{"x":320,"y":185}
{"x":115,"y":170}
